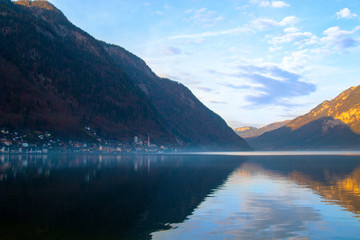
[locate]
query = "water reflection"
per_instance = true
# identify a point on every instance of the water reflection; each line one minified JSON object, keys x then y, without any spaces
{"x":280,"y":197}
{"x":103,"y":197}
{"x":179,"y":197}
{"x":336,"y":179}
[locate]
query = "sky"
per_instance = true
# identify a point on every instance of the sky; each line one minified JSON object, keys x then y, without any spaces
{"x":253,"y":62}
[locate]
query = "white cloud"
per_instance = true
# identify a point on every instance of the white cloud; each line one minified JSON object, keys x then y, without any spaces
{"x":263,"y":23}
{"x":294,"y":35}
{"x":279,"y":4}
{"x":333,"y":39}
{"x":274,"y":49}
{"x":213,"y":33}
{"x":338,"y":39}
{"x":291,"y":30}
{"x":289,"y":21}
{"x":264,"y":4}
{"x":296,"y":60}
{"x":345,"y":13}
{"x":273,"y":4}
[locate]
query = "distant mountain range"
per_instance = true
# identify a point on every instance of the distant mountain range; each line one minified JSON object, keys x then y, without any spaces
{"x":251,"y":132}
{"x":331,"y":125}
{"x":56,"y":77}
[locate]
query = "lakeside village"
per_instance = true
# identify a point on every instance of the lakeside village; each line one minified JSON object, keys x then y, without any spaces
{"x":43,"y":143}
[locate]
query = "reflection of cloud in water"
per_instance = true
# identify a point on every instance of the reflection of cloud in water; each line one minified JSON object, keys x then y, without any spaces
{"x":252,"y":205}
{"x":336,"y":187}
{"x":264,"y":218}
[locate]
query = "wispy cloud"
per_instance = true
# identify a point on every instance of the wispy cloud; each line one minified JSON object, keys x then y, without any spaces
{"x":218,"y":102}
{"x":338,"y":39}
{"x":170,"y":51}
{"x":213,"y":33}
{"x":273,"y":4}
{"x":204,"y":17}
{"x":259,"y":23}
{"x":258,"y":215}
{"x":279,"y":4}
{"x":236,"y":86}
{"x":296,"y":60}
{"x":264,"y":23}
{"x":295,"y":36}
{"x":205,"y":89}
{"x":345,"y":13}
{"x":332,"y":40}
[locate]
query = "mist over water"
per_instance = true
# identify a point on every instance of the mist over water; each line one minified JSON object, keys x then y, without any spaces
{"x":180,"y":196}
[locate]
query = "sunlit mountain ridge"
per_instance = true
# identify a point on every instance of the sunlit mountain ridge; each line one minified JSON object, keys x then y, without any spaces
{"x":250,"y":132}
{"x":331,"y":125}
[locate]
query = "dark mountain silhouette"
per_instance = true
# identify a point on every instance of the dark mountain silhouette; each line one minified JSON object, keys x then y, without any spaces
{"x":331,"y":125}
{"x":56,"y":77}
{"x":183,"y":114}
{"x":118,"y":201}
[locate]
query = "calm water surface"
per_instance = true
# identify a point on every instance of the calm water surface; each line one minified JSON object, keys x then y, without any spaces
{"x":180,"y":197}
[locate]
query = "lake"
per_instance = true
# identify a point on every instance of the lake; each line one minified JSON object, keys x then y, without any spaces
{"x":194,"y":196}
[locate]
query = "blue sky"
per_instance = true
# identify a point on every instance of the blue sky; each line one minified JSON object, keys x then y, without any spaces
{"x":253,"y":62}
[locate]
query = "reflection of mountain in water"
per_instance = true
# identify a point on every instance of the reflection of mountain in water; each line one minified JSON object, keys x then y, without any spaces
{"x":93,"y":197}
{"x":345,"y":192}
{"x":336,"y":179}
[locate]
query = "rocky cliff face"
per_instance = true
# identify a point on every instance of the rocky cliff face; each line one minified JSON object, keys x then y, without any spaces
{"x":331,"y":125}
{"x":54,"y":76}
{"x":345,"y":107}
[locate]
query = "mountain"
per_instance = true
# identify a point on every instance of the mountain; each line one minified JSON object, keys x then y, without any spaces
{"x":56,"y":77}
{"x":244,"y":130}
{"x":333,"y":124}
{"x":345,"y":107}
{"x":183,"y":114}
{"x":251,"y":132}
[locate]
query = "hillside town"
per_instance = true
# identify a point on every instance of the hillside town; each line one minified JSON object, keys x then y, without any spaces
{"x":43,"y":142}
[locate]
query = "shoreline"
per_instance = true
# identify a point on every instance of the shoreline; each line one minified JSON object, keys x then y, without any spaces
{"x":223,"y":153}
